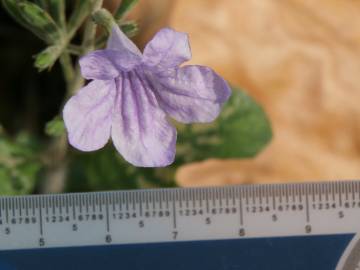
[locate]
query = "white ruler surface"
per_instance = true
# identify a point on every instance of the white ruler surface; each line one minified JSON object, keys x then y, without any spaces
{"x":189,"y":214}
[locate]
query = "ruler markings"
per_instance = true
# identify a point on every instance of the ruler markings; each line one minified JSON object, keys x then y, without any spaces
{"x":186,"y":198}
{"x":73,"y":205}
{"x":20,"y":207}
{"x":201,"y":197}
{"x":141,"y":205}
{"x":252,"y":202}
{"x":134,"y":201}
{"x":107,"y":212}
{"x":340,"y":193}
{"x":12,"y":207}
{"x":40,"y":216}
{"x":273,"y":195}
{"x":218,"y":197}
{"x":241,"y":209}
{"x":160,"y":197}
{"x":307,"y":203}
{"x":174,"y":213}
{"x":6,"y":210}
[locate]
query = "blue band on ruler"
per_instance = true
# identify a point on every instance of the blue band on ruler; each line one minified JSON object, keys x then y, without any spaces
{"x":280,"y":253}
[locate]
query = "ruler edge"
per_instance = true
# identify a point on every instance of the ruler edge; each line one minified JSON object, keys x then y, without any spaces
{"x":312,"y":183}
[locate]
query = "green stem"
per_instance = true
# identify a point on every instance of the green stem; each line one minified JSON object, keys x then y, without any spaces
{"x":57,"y":168}
{"x":88,"y":44}
{"x":74,"y":49}
{"x":67,"y":67}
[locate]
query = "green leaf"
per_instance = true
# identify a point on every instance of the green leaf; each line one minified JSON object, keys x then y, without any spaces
{"x":40,"y":19}
{"x":124,"y":8}
{"x":55,"y":127}
{"x":105,"y":169}
{"x":242,"y":130}
{"x":100,"y":170}
{"x":34,"y":18}
{"x":6,"y":187}
{"x":47,"y":58}
{"x":19,"y":164}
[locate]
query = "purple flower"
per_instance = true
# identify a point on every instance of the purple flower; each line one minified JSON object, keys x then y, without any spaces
{"x":131,"y":94}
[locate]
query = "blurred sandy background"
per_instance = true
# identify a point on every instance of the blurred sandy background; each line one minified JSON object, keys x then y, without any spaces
{"x":299,"y":58}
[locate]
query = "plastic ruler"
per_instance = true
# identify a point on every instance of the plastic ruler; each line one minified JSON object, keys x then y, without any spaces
{"x":275,"y":226}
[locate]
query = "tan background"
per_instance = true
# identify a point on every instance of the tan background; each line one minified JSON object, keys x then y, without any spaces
{"x":299,"y":58}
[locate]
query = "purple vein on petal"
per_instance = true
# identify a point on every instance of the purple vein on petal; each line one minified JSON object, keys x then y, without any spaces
{"x":122,"y":101}
{"x":135,"y":96}
{"x":146,"y":86}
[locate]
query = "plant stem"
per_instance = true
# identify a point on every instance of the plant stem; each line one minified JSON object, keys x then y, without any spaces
{"x":67,"y":67}
{"x":74,"y":49}
{"x":88,"y":44}
{"x":56,"y":173}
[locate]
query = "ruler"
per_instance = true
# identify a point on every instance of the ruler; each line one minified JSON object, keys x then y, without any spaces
{"x":276,"y":226}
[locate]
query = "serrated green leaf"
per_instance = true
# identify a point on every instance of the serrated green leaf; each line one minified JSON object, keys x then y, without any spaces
{"x":124,"y":8}
{"x":55,"y":127}
{"x":241,"y":131}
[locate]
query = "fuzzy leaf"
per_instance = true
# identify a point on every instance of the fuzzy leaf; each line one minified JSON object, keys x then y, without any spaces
{"x":242,"y":130}
{"x":34,"y":18}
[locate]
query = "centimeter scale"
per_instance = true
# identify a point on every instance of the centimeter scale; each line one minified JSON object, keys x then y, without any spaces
{"x":276,"y":226}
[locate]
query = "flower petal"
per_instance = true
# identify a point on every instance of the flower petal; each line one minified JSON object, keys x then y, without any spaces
{"x":88,"y":115}
{"x":168,"y":48}
{"x":120,"y":42}
{"x":191,"y":93}
{"x":140,"y":130}
{"x":97,"y":65}
{"x":106,"y":64}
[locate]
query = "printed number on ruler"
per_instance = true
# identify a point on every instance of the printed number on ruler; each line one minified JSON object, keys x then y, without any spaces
{"x":164,"y":215}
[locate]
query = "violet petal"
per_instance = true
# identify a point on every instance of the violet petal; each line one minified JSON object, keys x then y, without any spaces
{"x":168,"y":48}
{"x":120,"y":42}
{"x":88,"y":115}
{"x":140,"y":131}
{"x":191,"y":93}
{"x":106,"y":64}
